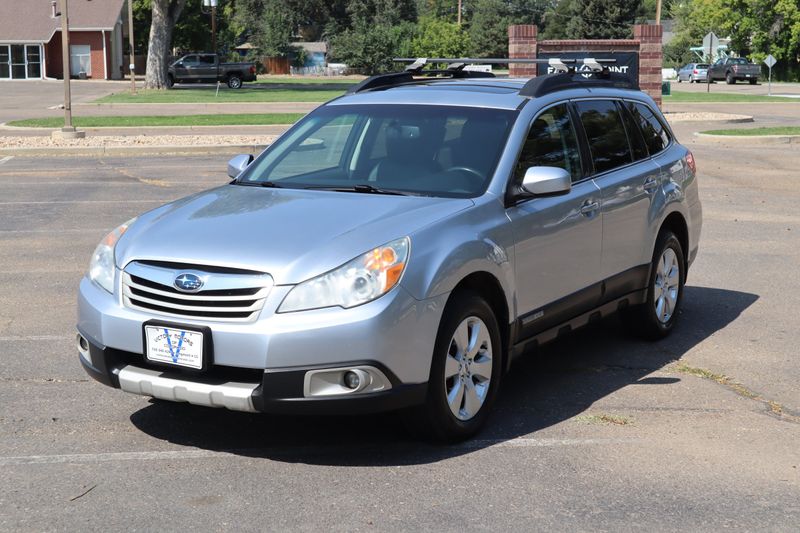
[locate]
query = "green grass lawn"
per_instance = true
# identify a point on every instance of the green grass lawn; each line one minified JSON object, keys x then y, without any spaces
{"x":777,"y":130}
{"x":686,"y":96}
{"x":249,"y":93}
{"x":161,"y":120}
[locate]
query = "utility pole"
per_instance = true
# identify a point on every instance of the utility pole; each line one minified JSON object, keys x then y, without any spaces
{"x":132,"y":65}
{"x":658,"y":12}
{"x":213,"y":5}
{"x":68,"y":131}
{"x":459,"y":12}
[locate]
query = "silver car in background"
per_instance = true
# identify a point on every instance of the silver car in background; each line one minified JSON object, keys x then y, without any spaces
{"x":397,"y":249}
{"x":693,"y":72}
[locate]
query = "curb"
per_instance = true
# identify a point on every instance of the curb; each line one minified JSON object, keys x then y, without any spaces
{"x":99,"y":151}
{"x":737,"y":119}
{"x":750,"y":139}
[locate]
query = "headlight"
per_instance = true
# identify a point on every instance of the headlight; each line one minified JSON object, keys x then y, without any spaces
{"x":101,"y":267}
{"x":356,"y":282}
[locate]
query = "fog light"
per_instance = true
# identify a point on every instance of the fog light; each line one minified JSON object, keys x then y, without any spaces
{"x":352,"y":380}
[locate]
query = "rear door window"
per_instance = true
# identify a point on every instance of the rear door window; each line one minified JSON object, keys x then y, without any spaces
{"x":655,"y":134}
{"x":605,"y":133}
{"x":634,"y":135}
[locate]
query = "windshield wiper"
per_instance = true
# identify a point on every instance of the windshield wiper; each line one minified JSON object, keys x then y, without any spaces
{"x":362,"y":188}
{"x":270,"y":184}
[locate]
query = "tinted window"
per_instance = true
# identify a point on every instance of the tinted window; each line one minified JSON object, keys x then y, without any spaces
{"x":189,"y":60}
{"x":207,"y":60}
{"x":738,"y":61}
{"x":634,"y":136}
{"x":654,"y":133}
{"x":551,"y":142}
{"x":605,"y":133}
{"x":702,"y":65}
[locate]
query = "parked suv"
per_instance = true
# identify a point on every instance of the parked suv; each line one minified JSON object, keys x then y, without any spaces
{"x":398,"y":248}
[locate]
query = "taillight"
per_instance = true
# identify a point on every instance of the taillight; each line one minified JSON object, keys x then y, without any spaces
{"x":696,"y":71}
{"x":252,"y":69}
{"x":690,"y":162}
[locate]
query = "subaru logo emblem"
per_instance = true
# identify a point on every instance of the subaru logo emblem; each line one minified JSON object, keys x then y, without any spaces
{"x":187,"y":282}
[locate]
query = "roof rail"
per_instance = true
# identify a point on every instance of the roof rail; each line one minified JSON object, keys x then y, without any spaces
{"x":542,"y":85}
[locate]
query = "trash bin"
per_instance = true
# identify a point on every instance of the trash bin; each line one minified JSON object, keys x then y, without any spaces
{"x":666,"y":88}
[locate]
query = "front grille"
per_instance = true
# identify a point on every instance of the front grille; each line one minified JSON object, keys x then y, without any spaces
{"x":227,"y":296}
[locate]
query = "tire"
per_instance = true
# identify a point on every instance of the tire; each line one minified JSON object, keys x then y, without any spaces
{"x":467,"y":316}
{"x":653,"y":320}
{"x":730,"y":80}
{"x":234,"y":82}
{"x":691,"y":79}
{"x":170,"y":81}
{"x":753,"y":82}
{"x":679,"y":79}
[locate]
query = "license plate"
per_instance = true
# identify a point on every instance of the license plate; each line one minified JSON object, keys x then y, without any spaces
{"x":747,"y":75}
{"x":174,"y":346}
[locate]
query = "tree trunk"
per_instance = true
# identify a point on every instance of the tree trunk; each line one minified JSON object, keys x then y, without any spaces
{"x":165,"y":15}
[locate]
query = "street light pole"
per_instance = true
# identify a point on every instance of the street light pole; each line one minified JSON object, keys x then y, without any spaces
{"x":132,"y":65}
{"x":213,"y":5}
{"x":68,"y":127}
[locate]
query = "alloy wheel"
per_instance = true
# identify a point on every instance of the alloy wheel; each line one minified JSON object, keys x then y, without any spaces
{"x":667,"y":285}
{"x":468,"y":368}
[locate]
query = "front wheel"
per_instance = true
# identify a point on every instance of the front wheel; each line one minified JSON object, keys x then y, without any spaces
{"x":234,"y":82}
{"x":170,"y":81}
{"x":656,"y":318}
{"x":729,"y":79}
{"x":465,"y":372}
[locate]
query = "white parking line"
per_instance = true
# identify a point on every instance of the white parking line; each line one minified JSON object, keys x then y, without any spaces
{"x":85,"y":202}
{"x":13,"y":338}
{"x":6,"y":159}
{"x":193,"y":454}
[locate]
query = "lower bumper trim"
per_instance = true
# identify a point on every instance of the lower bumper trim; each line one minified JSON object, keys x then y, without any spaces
{"x":146,"y":382}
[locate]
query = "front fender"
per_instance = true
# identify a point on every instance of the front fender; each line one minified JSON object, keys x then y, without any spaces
{"x":475,"y":240}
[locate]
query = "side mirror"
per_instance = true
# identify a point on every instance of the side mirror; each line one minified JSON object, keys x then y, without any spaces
{"x":546,"y":181}
{"x":237,"y":165}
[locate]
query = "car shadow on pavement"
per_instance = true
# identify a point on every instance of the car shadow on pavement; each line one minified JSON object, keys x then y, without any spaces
{"x":553,"y":385}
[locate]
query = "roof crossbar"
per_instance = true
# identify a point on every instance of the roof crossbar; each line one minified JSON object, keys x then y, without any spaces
{"x":567,"y":73}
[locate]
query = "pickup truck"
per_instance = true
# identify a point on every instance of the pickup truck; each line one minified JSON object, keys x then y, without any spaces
{"x":206,"y":68}
{"x":732,"y":69}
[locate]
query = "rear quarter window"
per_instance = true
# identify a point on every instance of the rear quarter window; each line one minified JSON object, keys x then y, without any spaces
{"x":653,"y":131}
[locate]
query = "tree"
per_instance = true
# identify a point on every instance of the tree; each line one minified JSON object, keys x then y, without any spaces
{"x":165,"y":15}
{"x":436,"y":37}
{"x":592,"y":19}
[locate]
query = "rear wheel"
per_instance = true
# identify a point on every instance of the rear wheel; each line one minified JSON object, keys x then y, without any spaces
{"x":465,"y":372}
{"x":656,"y":318}
{"x":729,"y":79}
{"x":170,"y":81}
{"x":234,"y":81}
{"x":752,"y":81}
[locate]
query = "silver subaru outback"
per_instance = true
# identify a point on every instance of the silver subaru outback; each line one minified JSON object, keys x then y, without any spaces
{"x":398,"y":248}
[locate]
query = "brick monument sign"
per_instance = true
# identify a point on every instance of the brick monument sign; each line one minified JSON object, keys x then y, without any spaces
{"x":646,"y":42}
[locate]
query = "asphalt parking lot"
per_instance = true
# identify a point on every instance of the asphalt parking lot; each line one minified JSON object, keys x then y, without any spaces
{"x":597,"y":431}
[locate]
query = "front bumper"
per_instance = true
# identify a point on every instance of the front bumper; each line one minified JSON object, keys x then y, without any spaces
{"x":279,"y":391}
{"x":261,"y":365}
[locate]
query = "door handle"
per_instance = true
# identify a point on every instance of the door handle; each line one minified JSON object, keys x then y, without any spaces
{"x":589,"y":207}
{"x":650,"y":183}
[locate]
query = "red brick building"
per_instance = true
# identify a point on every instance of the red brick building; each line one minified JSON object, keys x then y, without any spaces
{"x":30,"y":39}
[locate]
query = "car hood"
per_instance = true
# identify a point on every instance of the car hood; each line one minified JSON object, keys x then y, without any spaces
{"x":292,"y":234}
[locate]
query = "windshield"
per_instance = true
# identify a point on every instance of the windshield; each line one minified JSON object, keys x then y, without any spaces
{"x":702,"y":65}
{"x":427,"y":150}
